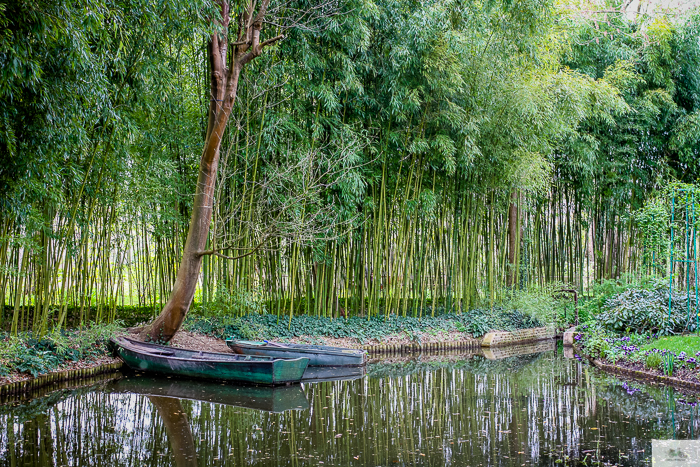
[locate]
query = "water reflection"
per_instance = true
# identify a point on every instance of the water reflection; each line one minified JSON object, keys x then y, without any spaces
{"x":270,"y":399}
{"x":177,"y":428}
{"x":537,"y":409}
{"x":317,"y":374}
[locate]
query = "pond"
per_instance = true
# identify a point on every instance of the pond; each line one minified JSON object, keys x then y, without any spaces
{"x":453,"y":409}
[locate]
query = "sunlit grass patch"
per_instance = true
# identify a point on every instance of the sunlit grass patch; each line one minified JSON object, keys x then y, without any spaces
{"x":676,"y":344}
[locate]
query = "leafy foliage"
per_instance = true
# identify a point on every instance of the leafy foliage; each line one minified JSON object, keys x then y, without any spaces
{"x":267,"y":326}
{"x":229,"y":303}
{"x":647,"y":311}
{"x":601,"y":291}
{"x":379,"y":127}
{"x":668,"y":363}
{"x":26,"y":353}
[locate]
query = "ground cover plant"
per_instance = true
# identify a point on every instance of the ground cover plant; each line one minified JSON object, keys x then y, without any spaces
{"x":648,"y":311}
{"x":676,"y":355}
{"x":26,"y":353}
{"x":269,"y":326}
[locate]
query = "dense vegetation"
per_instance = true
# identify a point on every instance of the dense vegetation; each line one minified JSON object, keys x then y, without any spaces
{"x":393,"y":157}
{"x":640,"y":324}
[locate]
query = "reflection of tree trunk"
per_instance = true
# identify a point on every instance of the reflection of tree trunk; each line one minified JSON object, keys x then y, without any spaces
{"x":177,"y":426}
{"x":515,"y":437}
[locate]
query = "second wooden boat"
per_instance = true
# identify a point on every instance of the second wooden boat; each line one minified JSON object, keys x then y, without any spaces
{"x":251,"y":369}
{"x":318,"y":355}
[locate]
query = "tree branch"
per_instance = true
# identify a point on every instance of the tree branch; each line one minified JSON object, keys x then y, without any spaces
{"x":271,"y":41}
{"x":216,"y":252}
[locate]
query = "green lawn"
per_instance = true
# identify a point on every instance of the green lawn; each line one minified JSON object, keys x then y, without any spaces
{"x":677,"y":344}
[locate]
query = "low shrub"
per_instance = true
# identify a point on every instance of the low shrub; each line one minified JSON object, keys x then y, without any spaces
{"x":647,"y":311}
{"x":230,"y":303}
{"x":602,"y":291}
{"x":546,"y":304}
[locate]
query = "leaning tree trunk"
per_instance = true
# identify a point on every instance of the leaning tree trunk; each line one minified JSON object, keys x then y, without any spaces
{"x":225,"y":70}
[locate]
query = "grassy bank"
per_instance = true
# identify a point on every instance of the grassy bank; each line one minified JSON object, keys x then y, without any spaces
{"x":668,"y":355}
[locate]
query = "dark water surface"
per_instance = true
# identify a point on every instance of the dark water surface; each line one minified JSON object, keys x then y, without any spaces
{"x":459,"y":410}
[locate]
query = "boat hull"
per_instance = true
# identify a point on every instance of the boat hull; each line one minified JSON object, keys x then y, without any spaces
{"x":318,"y":355}
{"x":207,"y":365}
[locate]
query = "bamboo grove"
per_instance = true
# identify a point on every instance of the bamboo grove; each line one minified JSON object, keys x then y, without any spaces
{"x":395,"y":157}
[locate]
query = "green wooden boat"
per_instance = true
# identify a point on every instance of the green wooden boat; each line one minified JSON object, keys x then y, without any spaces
{"x":251,"y":369}
{"x":318,"y":355}
{"x":270,"y":399}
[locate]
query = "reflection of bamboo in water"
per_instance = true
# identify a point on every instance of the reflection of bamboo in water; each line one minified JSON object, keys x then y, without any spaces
{"x":537,"y":409}
{"x":177,"y":427}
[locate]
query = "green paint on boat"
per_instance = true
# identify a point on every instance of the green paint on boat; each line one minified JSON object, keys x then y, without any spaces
{"x":250,"y":369}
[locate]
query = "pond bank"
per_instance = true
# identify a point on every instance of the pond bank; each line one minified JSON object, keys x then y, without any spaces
{"x":684,"y":378}
{"x":20,"y":384}
{"x":647,"y":375}
{"x":16,"y":383}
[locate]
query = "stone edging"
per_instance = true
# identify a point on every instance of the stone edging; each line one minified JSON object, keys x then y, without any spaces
{"x":514,"y":350}
{"x":645,"y":375}
{"x":568,"y":337}
{"x":400,"y":349}
{"x":521,"y":336}
{"x":32,"y":384}
{"x":492,"y":339}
